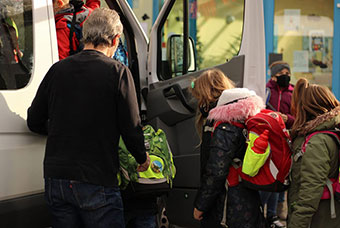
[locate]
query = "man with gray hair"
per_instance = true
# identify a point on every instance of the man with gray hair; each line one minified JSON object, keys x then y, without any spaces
{"x":84,"y":103}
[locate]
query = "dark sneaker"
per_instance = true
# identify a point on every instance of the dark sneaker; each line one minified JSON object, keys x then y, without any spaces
{"x":274,"y":222}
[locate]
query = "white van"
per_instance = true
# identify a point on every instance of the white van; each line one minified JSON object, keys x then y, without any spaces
{"x":162,"y":72}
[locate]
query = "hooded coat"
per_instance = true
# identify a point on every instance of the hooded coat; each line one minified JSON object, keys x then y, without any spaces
{"x":309,"y":173}
{"x":227,"y":143}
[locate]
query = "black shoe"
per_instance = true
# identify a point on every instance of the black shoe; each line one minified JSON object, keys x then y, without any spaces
{"x":274,"y":222}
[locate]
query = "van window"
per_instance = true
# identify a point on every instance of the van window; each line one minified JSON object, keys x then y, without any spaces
{"x":215,"y":27}
{"x":16,"y":44}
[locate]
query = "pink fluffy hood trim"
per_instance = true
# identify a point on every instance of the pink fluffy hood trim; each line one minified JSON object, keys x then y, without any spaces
{"x":238,"y":111}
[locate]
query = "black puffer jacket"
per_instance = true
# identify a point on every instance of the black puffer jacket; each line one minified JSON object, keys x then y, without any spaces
{"x":243,"y":205}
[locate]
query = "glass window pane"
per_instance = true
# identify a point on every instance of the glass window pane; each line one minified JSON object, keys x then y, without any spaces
{"x":303,"y":33}
{"x":219,"y":27}
{"x":16,"y":44}
{"x":215,"y":26}
{"x":173,"y":25}
{"x":146,"y":12}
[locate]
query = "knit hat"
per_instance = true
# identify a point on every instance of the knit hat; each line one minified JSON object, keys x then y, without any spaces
{"x":277,"y":68}
{"x":232,"y":95}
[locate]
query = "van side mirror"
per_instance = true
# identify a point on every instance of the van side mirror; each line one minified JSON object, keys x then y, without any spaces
{"x":175,"y":54}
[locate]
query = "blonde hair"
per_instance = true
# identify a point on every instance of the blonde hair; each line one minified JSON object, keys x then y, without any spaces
{"x":207,"y":88}
{"x":310,"y":101}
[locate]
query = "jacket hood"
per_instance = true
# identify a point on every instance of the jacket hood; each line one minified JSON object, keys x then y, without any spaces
{"x":325,"y":121}
{"x":237,"y":111}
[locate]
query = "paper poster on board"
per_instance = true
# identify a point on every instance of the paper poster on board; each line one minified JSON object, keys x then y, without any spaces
{"x":316,"y":40}
{"x":300,"y":61}
{"x":292,"y":19}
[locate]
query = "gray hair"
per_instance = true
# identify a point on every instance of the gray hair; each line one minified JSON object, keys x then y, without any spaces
{"x":101,"y":27}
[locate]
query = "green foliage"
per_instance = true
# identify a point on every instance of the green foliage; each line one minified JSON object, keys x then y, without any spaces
{"x":234,"y":47}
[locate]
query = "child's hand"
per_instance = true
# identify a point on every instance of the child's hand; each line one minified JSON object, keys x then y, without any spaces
{"x":284,"y":117}
{"x":143,"y":167}
{"x":198,"y":215}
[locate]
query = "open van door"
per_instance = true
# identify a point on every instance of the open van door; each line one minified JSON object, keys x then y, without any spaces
{"x":187,"y":38}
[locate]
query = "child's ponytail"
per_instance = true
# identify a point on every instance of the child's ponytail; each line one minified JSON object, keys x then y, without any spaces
{"x":295,"y":109}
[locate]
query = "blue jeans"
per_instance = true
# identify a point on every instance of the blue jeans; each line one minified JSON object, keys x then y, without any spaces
{"x":76,"y":204}
{"x":281,"y":197}
{"x":270,"y":198}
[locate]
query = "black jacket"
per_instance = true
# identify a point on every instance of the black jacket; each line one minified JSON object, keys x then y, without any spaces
{"x":84,"y":103}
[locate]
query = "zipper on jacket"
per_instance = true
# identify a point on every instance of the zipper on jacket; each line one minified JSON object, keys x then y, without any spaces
{"x":279,"y":101}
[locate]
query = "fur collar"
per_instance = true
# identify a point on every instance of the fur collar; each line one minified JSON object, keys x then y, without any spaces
{"x":238,"y":111}
{"x":333,"y":117}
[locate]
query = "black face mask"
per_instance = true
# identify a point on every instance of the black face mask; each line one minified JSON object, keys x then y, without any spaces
{"x":283,"y":80}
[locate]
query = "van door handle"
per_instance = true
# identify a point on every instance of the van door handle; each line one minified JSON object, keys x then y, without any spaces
{"x":176,"y":90}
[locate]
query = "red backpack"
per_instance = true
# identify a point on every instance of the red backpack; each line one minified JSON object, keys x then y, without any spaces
{"x":332,"y":187}
{"x":267,"y":171}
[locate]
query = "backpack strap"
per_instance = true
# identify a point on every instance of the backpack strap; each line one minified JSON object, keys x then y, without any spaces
{"x":214,"y":127}
{"x":224,"y":218}
{"x":329,"y":185}
{"x":73,"y":23}
{"x":268,"y":95}
{"x":238,"y":124}
{"x":303,"y":147}
{"x":77,"y":7}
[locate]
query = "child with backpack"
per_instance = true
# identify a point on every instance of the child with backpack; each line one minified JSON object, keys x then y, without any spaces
{"x":279,"y":94}
{"x":70,"y":15}
{"x":214,"y":206}
{"x":315,"y":169}
{"x":207,"y":88}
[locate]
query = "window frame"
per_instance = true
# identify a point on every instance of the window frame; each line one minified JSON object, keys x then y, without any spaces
{"x":159,"y":39}
{"x":185,"y":38}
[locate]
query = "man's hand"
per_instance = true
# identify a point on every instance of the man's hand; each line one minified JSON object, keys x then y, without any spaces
{"x":143,"y":167}
{"x":198,"y":215}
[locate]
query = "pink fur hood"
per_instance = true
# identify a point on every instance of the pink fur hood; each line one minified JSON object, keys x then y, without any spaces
{"x":237,"y":111}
